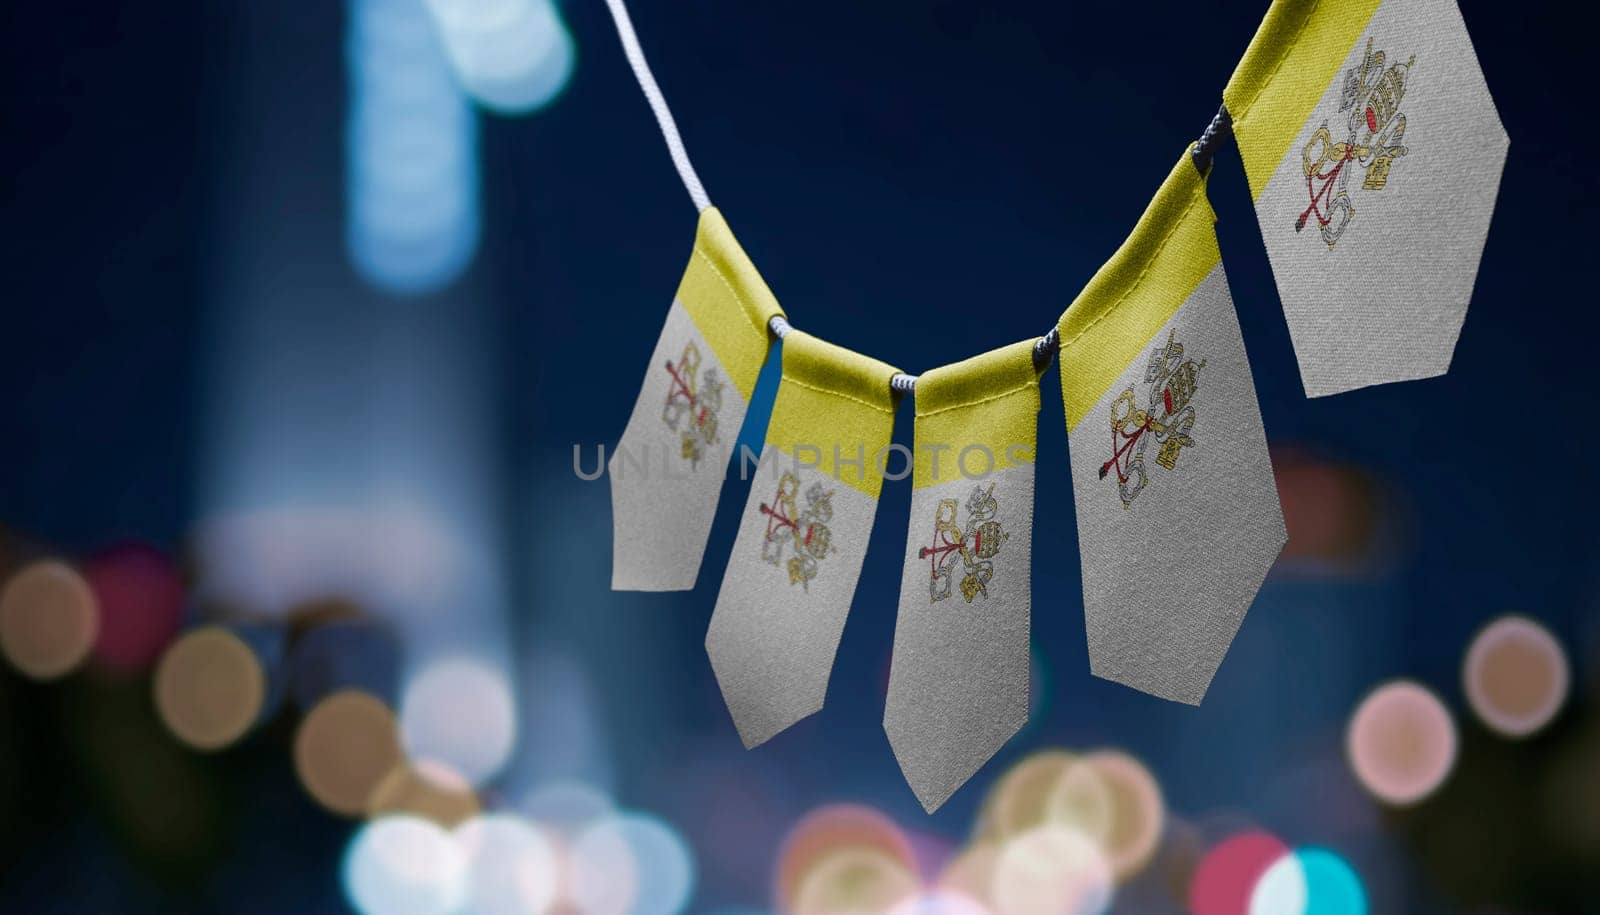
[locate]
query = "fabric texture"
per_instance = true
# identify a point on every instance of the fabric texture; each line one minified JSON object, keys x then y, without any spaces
{"x":1374,"y":153}
{"x":802,"y":536}
{"x":958,"y":684}
{"x":1171,"y":249}
{"x":1178,"y":516}
{"x":667,"y":471}
{"x":1283,"y":72}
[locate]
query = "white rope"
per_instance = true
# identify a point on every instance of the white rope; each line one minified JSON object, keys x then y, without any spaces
{"x":1043,"y":351}
{"x":658,"y":104}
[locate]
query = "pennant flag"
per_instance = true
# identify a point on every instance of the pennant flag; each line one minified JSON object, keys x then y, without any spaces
{"x":1178,"y":517}
{"x":802,"y":537}
{"x":958,"y":686}
{"x":1374,"y":230}
{"x":667,"y":472}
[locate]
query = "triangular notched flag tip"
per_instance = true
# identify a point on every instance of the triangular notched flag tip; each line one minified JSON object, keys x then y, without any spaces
{"x":1190,"y":687}
{"x":1178,"y":532}
{"x":1374,"y":154}
{"x":757,"y":727}
{"x":958,"y":682}
{"x":667,"y":471}
{"x":802,"y":536}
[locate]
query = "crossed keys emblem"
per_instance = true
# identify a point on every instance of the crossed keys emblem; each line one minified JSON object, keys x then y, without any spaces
{"x":1167,"y":417}
{"x":1374,"y":133}
{"x":975,"y":546}
{"x":692,"y":403}
{"x":803,"y":534}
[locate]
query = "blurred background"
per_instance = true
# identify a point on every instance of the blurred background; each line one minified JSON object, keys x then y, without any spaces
{"x":303,"y":608}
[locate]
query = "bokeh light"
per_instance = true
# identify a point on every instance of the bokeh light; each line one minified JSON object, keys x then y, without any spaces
{"x":511,"y":56}
{"x":1082,"y":799}
{"x":459,"y":711}
{"x":48,"y":619}
{"x":657,"y":862}
{"x":345,"y":747}
{"x":854,"y":881}
{"x":210,"y":688}
{"x":140,"y":594}
{"x":603,"y":872}
{"x":1137,"y":813}
{"x":1226,"y":878}
{"x":401,"y":865}
{"x":411,"y":152}
{"x":971,"y":872}
{"x":666,"y":869}
{"x":1516,"y":676}
{"x":1330,"y":512}
{"x":566,"y":806}
{"x":1282,"y":889}
{"x":1310,"y":881}
{"x":1332,"y":886}
{"x":831,"y":829}
{"x":1051,"y":870}
{"x":426,"y":788}
{"x":1023,"y":797}
{"x":512,"y":867}
{"x":1401,"y":743}
{"x":290,"y":561}
{"x":940,"y":902}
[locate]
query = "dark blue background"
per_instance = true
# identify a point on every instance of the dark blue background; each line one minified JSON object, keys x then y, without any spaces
{"x":917,"y":181}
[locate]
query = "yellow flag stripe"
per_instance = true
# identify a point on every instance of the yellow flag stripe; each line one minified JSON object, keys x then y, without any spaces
{"x":837,"y":402}
{"x":989,"y":403}
{"x":728,"y":301}
{"x":1290,"y":63}
{"x":1171,"y":250}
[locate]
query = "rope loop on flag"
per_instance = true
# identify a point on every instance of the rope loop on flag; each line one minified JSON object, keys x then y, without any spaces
{"x":1044,"y":351}
{"x":1216,"y":133}
{"x":658,"y":104}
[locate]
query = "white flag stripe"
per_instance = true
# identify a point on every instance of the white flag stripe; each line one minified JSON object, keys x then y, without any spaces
{"x":1407,"y":151}
{"x":786,"y":594}
{"x":1178,"y":517}
{"x":958,"y":686}
{"x":667,"y":472}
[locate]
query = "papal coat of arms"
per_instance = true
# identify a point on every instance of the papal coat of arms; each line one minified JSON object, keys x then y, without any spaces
{"x":1167,"y":418}
{"x":1373,"y":137}
{"x":974,"y":545}
{"x":797,"y":539}
{"x":692,"y":403}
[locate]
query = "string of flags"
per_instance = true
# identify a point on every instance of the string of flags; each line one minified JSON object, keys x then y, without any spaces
{"x":1374,"y":244}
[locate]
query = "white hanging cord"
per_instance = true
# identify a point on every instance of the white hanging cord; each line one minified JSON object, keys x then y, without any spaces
{"x":1218,"y":131}
{"x":658,"y":104}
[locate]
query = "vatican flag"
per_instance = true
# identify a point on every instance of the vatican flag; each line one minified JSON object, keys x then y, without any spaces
{"x":958,"y":685}
{"x":1178,"y":517}
{"x":667,"y":472}
{"x":802,"y":537}
{"x":1374,"y":154}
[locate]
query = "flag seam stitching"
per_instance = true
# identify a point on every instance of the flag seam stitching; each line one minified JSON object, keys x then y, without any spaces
{"x":744,"y":307}
{"x":1172,"y":228}
{"x":1282,"y":59}
{"x":973,"y":403}
{"x":790,"y":379}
